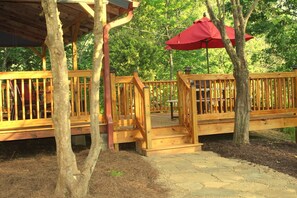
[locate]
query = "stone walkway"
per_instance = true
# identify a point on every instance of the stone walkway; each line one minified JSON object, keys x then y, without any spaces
{"x":206,"y":174}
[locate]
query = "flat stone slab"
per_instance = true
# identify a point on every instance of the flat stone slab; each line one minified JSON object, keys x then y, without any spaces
{"x":206,"y":174}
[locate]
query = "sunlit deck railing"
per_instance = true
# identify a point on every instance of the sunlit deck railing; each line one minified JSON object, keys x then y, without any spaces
{"x":131,"y":105}
{"x":269,"y":93}
{"x":161,"y":94}
{"x":27,"y":98}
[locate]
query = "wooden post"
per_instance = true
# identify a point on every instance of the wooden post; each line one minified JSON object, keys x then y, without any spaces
{"x":147,"y":117}
{"x":194,"y":115}
{"x":43,"y":57}
{"x":295,"y":97}
{"x":180,"y":99}
{"x":114,"y":99}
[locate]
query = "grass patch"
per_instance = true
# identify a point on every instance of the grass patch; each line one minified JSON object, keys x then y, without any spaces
{"x":116,"y":173}
{"x":290,"y":132}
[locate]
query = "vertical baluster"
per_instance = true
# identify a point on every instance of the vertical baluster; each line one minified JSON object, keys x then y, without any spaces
{"x":16,"y":101}
{"x":72,"y":96}
{"x":30,"y":99}
{"x":266,"y":94}
{"x":85,"y":96}
{"x":1,"y":101}
{"x":8,"y":97}
{"x":51,"y":95}
{"x":37,"y":98}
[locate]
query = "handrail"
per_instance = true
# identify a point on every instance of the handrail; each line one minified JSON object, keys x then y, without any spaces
{"x":142,"y":109}
{"x":187,"y":106}
{"x":131,"y":105}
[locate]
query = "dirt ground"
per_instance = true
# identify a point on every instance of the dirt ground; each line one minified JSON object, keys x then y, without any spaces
{"x":29,"y":168}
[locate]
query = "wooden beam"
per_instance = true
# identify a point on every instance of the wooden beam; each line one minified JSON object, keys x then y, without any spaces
{"x":88,"y":9}
{"x":36,"y":52}
{"x":59,"y":1}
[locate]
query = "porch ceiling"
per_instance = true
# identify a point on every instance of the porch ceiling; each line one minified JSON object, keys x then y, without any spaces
{"x":22,"y":23}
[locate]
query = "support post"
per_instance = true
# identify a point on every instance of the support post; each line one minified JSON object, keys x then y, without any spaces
{"x":194,"y":115}
{"x":147,"y":117}
{"x":295,"y":97}
{"x":43,"y":54}
{"x":180,"y":99}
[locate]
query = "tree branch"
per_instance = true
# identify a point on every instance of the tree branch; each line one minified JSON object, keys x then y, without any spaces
{"x":248,"y":14}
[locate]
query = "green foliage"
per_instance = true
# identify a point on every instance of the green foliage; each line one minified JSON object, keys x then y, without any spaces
{"x":290,"y":132}
{"x":19,"y":59}
{"x":140,"y":44}
{"x":277,"y":22}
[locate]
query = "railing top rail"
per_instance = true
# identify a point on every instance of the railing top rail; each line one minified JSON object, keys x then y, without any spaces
{"x":123,"y":79}
{"x":41,"y":74}
{"x":160,"y":81}
{"x":231,"y":77}
{"x":138,"y":83}
{"x":273,"y":75}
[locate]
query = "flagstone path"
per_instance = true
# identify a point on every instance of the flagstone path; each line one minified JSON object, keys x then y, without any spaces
{"x":206,"y":174}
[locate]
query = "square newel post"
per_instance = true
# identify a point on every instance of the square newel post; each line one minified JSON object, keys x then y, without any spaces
{"x":180,"y":98}
{"x":147,"y":117}
{"x":294,"y":67}
{"x":194,"y":115}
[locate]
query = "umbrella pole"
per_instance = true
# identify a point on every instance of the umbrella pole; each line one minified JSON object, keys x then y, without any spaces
{"x":207,"y":59}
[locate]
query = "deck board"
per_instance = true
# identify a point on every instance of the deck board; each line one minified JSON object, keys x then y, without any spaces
{"x":163,"y":120}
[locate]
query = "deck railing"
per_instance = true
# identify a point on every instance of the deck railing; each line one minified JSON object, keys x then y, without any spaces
{"x":131,"y":105}
{"x":187,"y":106}
{"x":27,"y":98}
{"x":270,"y":93}
{"x":123,"y":101}
{"x":162,"y":93}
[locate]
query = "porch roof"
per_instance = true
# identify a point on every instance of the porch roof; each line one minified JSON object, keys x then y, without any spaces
{"x":22,"y":23}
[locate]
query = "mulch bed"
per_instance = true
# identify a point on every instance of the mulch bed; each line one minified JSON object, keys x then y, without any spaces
{"x":29,"y":169}
{"x":277,"y":154}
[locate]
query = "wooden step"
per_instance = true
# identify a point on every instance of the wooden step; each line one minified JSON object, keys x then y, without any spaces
{"x":125,"y":136}
{"x":169,"y":140}
{"x":175,"y":149}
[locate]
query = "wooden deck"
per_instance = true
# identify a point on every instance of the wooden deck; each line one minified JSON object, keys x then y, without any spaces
{"x":163,"y":120}
{"x":141,"y":111}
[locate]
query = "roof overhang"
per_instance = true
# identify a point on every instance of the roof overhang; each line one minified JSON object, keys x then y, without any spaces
{"x":22,"y":23}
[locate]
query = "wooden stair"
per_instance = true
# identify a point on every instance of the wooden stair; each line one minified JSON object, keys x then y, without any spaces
{"x":168,"y":140}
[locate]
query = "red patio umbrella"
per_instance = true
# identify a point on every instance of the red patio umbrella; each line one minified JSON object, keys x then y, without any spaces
{"x":202,"y":34}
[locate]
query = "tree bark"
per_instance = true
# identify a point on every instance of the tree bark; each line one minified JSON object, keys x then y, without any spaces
{"x":72,"y":182}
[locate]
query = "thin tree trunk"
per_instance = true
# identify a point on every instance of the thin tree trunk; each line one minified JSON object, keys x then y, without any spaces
{"x":61,"y":116}
{"x":237,"y":56}
{"x":72,"y":182}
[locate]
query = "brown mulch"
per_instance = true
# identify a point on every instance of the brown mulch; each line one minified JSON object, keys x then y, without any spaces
{"x":264,"y":149}
{"x":29,"y":169}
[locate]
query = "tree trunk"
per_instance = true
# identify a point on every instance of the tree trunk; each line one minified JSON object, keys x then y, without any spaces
{"x":237,"y":56}
{"x":72,"y":182}
{"x":242,"y":105}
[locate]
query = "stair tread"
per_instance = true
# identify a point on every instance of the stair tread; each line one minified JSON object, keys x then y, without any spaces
{"x":175,"y":146}
{"x":170,"y":136}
